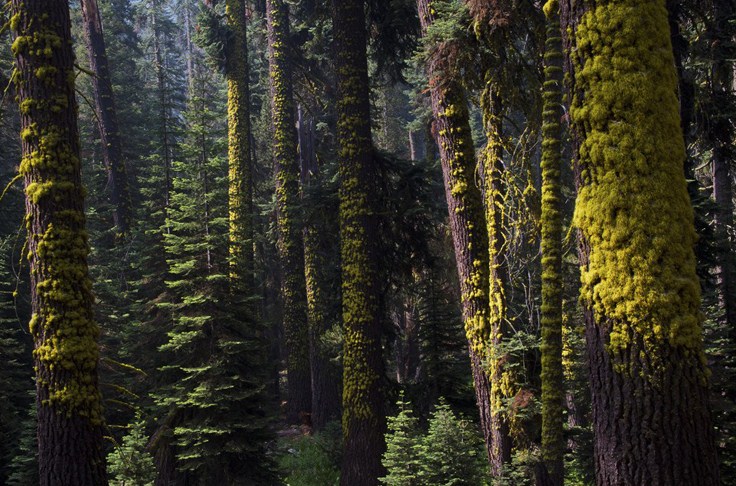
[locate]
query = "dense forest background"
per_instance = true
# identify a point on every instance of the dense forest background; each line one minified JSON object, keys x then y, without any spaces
{"x":230,"y":327}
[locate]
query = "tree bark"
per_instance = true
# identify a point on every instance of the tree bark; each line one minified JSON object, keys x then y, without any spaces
{"x":467,"y":223}
{"x":553,"y":384}
{"x":364,"y":421}
{"x":326,"y":375}
{"x":239,"y":155}
{"x":70,"y":423}
{"x":290,"y":240}
{"x":112,"y":148}
{"x":640,"y":292}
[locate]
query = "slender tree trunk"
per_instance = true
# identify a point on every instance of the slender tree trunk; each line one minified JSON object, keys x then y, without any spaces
{"x":240,"y":163}
{"x":640,"y":292}
{"x":290,"y":242}
{"x":553,"y":384}
{"x":363,"y":420}
{"x":467,"y":222}
{"x":326,"y":375}
{"x":70,"y":423}
{"x":112,"y":147}
{"x":721,"y":135}
{"x":163,"y":104}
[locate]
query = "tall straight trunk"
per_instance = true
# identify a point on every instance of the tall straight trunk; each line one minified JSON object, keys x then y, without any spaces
{"x":494,"y":194}
{"x":721,"y":137}
{"x":553,"y":383}
{"x":239,"y":156}
{"x":112,"y":147}
{"x":640,"y":292}
{"x":363,"y":419}
{"x":70,"y":423}
{"x":467,"y":223}
{"x":290,"y":242}
{"x":325,"y":374}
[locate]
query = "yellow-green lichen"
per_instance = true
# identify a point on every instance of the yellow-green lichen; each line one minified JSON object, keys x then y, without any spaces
{"x":633,"y":208}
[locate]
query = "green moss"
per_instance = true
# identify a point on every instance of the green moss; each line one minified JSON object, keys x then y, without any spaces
{"x":633,"y":207}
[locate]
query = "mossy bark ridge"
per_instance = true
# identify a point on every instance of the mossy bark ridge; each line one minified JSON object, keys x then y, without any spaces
{"x":553,"y":385}
{"x":290,"y":240}
{"x":363,"y":420}
{"x":639,"y":287}
{"x":66,"y":353}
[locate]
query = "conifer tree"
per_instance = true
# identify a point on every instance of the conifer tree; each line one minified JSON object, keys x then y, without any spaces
{"x":66,"y":352}
{"x":290,"y":238}
{"x":553,"y":385}
{"x":641,"y":294}
{"x":363,"y":418}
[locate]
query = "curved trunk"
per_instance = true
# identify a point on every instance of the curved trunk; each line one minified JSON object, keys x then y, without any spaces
{"x":71,"y":449}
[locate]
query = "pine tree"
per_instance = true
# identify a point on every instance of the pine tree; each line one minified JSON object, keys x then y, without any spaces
{"x":401,"y":457}
{"x":639,"y":287}
{"x":363,"y":418}
{"x":130,"y":463}
{"x":63,"y":328}
{"x":553,"y":385}
{"x":290,"y":238}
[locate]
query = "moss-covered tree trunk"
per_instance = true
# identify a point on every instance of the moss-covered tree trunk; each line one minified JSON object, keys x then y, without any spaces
{"x":320,"y":311}
{"x":641,"y":295}
{"x":553,"y":384}
{"x":363,"y":419}
{"x":467,"y":223}
{"x":71,"y":450}
{"x":107,"y":121}
{"x":290,"y":242}
{"x":239,"y":155}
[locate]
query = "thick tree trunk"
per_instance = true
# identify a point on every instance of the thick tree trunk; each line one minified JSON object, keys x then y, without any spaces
{"x":70,"y":444}
{"x":112,"y":148}
{"x":553,"y":384}
{"x":364,"y":421}
{"x":239,"y":156}
{"x":651,"y":417}
{"x":467,"y":223}
{"x":290,"y":242}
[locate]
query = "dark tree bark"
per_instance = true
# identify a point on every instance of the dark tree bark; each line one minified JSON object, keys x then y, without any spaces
{"x":290,"y":242}
{"x":641,"y":294}
{"x":364,"y":421}
{"x":721,"y":137}
{"x":112,"y":148}
{"x":326,"y":375}
{"x":70,"y":423}
{"x":162,"y":88}
{"x":467,"y":223}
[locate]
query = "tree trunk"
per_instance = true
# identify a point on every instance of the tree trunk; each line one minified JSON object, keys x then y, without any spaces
{"x":240,"y":163}
{"x":325,"y":374}
{"x":553,"y":384}
{"x":163,"y":102}
{"x":290,"y":242}
{"x":112,"y":147}
{"x":467,"y":223}
{"x":70,"y":424}
{"x":640,"y":292}
{"x":721,"y":137}
{"x":364,"y":421}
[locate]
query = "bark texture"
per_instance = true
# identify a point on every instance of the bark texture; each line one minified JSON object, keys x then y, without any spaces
{"x":290,"y":238}
{"x":651,"y":417}
{"x":70,"y":445}
{"x":107,"y":121}
{"x":467,"y":223}
{"x":363,"y":420}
